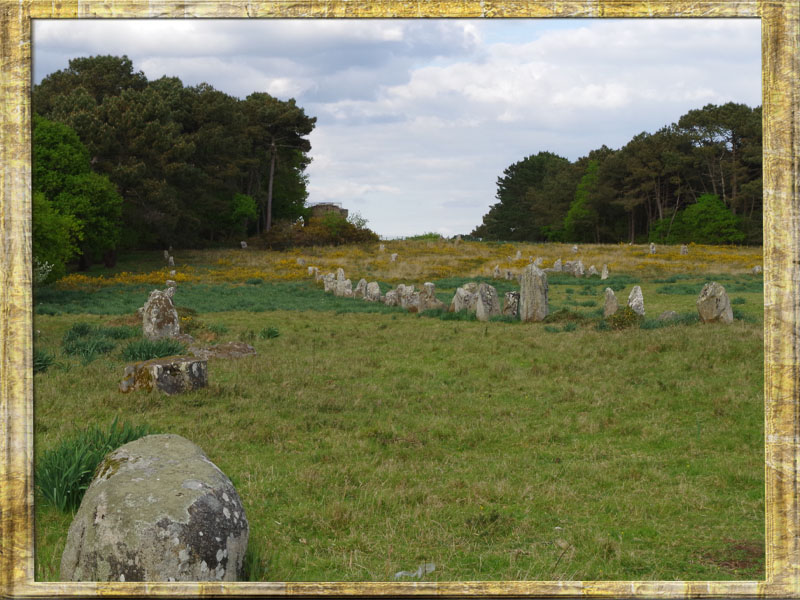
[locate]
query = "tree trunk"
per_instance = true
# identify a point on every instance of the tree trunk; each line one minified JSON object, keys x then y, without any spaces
{"x":269,"y":189}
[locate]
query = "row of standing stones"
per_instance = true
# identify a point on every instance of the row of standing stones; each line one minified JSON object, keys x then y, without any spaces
{"x":157,"y":508}
{"x":529,"y":304}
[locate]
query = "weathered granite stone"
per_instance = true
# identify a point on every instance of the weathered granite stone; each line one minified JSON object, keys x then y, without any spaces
{"x":244,"y":245}
{"x":329,"y":281}
{"x":171,"y":284}
{"x":668,"y":315}
{"x":756,"y":270}
{"x":652,"y":248}
{"x":496,"y":273}
{"x":557,"y":266}
{"x":604,"y":272}
{"x":533,"y":304}
{"x":340,"y":274}
{"x":636,"y":300}
{"x":225,"y":350}
{"x":166,"y":254}
{"x":373,"y":292}
{"x":428,"y":299}
{"x":574,"y":249}
{"x":713,"y":304}
{"x":464,"y":299}
{"x":487,"y":305}
{"x":592,"y":272}
{"x":539,"y":261}
{"x":393,"y":257}
{"x":684,"y":249}
{"x":382,"y":248}
{"x":471,"y":287}
{"x":610,"y":305}
{"x":511,"y":304}
{"x":410,"y":300}
{"x":312,"y":271}
{"x":157,"y":510}
{"x":518,"y":256}
{"x":574,"y":267}
{"x":361,"y":288}
{"x":172,"y":273}
{"x":391,"y":298}
{"x":343,"y":289}
{"x":159,"y":317}
{"x":171,"y":375}
{"x":171,"y":261}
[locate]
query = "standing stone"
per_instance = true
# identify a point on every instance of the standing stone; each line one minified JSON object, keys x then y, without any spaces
{"x":373,"y":292}
{"x":301,"y":262}
{"x":361,"y":288}
{"x":312,"y":271}
{"x":428,"y":299}
{"x":574,"y":249}
{"x":244,"y":245}
{"x":382,"y":248}
{"x":713,"y":304}
{"x":157,"y":510}
{"x":591,"y":272}
{"x":756,"y":270}
{"x":393,"y":257}
{"x":410,"y":300}
{"x":610,"y":305}
{"x":464,"y":299}
{"x":457,"y":241}
{"x":343,"y":289}
{"x":391,"y":298}
{"x":636,"y":300}
{"x":172,"y":273}
{"x":538,"y":262}
{"x":166,"y":255}
{"x":533,"y":294}
{"x":557,"y":266}
{"x":519,"y":255}
{"x":318,"y":276}
{"x":509,"y":275}
{"x":171,"y":261}
{"x":511,"y":304}
{"x":684,"y":249}
{"x":487,"y":304}
{"x":159,"y":317}
{"x":340,"y":274}
{"x":604,"y":272}
{"x":574,"y":267}
{"x":329,"y":281}
{"x":496,"y":273}
{"x":652,"y":248}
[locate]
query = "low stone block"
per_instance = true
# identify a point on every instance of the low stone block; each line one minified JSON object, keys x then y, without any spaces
{"x":171,"y":375}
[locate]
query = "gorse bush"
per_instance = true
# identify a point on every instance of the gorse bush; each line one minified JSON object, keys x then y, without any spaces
{"x":148,"y":349}
{"x":64,"y":473}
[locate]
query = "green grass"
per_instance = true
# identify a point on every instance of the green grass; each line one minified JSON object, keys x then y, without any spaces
{"x":364,"y":444}
{"x":145,"y":349}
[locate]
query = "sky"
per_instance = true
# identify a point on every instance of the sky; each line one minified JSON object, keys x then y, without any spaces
{"x":417,"y":119}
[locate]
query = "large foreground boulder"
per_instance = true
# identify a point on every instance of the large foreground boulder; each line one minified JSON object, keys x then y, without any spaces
{"x":157,"y":510}
{"x":171,"y":375}
{"x":713,"y":304}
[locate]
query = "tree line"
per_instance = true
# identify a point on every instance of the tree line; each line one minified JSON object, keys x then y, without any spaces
{"x":697,"y":180}
{"x":121,"y":162}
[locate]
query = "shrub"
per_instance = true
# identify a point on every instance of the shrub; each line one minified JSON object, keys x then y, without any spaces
{"x":255,"y":281}
{"x":42,"y":360}
{"x":145,"y":349}
{"x":624,"y":318}
{"x":64,"y":473}
{"x":269,"y":333}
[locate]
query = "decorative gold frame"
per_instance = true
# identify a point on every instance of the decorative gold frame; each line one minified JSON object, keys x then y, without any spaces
{"x":780,"y":27}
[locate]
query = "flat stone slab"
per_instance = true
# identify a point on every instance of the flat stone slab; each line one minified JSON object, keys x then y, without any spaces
{"x":225,"y":350}
{"x":171,"y":375}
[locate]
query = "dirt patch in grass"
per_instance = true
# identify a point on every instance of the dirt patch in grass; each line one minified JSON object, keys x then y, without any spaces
{"x":739,"y":557}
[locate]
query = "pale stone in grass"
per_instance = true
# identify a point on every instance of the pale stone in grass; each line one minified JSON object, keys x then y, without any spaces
{"x":636,"y":300}
{"x":756,"y":270}
{"x":171,"y":261}
{"x":713,"y":304}
{"x":509,"y":275}
{"x":382,"y":248}
{"x":487,"y":304}
{"x":361,"y":288}
{"x":301,"y":262}
{"x":428,"y":299}
{"x":538,"y":262}
{"x":457,"y":240}
{"x":574,"y":267}
{"x":652,"y":248}
{"x":343,"y":289}
{"x":604,"y":273}
{"x":533,"y":289}
{"x":391,"y":298}
{"x":684,"y":249}
{"x":668,"y":315}
{"x":373,"y":292}
{"x":591,"y":272}
{"x":244,"y":245}
{"x":340,"y":274}
{"x":166,"y":254}
{"x":574,"y":249}
{"x":224,"y":350}
{"x":464,"y":298}
{"x":557,"y":266}
{"x":157,"y":510}
{"x":171,"y":375}
{"x":496,"y":273}
{"x":518,"y":255}
{"x":610,"y":305}
{"x":311,"y":270}
{"x":511,"y":304}
{"x":159,"y":317}
{"x":172,"y":273}
{"x":329,"y":281}
{"x":393,"y":258}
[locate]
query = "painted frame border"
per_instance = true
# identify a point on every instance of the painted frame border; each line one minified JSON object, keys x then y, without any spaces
{"x":780,"y":48}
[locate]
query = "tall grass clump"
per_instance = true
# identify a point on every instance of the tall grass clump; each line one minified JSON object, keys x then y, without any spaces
{"x":42,"y":360}
{"x":87,"y":341}
{"x":64,"y":473}
{"x":145,"y":349}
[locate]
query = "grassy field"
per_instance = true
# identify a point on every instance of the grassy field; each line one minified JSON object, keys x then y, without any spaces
{"x":364,"y":440}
